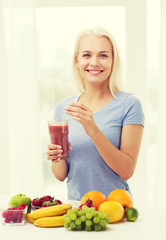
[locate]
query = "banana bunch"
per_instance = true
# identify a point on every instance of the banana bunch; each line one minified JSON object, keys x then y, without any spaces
{"x":49,"y":216}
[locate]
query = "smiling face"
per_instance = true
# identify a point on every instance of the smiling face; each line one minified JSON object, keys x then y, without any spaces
{"x":95,"y":59}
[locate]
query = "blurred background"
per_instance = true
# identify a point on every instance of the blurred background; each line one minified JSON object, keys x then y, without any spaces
{"x":37,"y":39}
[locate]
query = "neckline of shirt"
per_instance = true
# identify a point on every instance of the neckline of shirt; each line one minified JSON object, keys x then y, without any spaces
{"x":100,"y":110}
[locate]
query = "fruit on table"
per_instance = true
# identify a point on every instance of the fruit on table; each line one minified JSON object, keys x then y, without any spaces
{"x":36,"y":202}
{"x":96,"y":197}
{"x":50,"y":203}
{"x":56,"y":221}
{"x":88,"y":203}
{"x":121,"y":196}
{"x":114,"y":210}
{"x":46,"y":198}
{"x":86,"y":218}
{"x":29,"y":218}
{"x":47,"y":204}
{"x":14,"y":215}
{"x":49,"y":211}
{"x":44,"y":201}
{"x":18,"y":199}
{"x":56,"y":202}
{"x":131,"y":214}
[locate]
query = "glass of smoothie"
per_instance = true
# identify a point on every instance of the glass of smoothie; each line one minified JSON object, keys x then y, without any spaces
{"x":59,"y":135}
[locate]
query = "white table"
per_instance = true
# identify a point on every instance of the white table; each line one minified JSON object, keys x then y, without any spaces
{"x":151,"y":225}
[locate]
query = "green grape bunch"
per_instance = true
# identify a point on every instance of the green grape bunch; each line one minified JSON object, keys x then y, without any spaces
{"x":86,"y":218}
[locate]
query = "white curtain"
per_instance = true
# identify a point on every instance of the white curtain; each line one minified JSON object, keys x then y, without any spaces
{"x":4,"y":139}
{"x":161,"y":161}
{"x":21,"y":162}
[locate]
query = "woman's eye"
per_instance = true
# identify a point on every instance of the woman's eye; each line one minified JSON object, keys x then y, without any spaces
{"x":103,"y":56}
{"x":86,"y":55}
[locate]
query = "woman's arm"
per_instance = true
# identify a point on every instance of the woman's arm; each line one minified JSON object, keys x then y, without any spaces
{"x":121,"y":161}
{"x":59,"y":165}
{"x":59,"y":169}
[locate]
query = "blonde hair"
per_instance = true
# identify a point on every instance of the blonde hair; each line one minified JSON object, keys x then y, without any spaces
{"x":115,"y":79}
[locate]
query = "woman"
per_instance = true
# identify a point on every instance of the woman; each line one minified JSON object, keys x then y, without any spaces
{"x":105,"y":123}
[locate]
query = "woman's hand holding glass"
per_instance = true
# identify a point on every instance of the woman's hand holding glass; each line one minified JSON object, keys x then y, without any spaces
{"x":54,"y":152}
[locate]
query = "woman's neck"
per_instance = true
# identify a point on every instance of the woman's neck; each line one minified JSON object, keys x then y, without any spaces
{"x":96,"y":99}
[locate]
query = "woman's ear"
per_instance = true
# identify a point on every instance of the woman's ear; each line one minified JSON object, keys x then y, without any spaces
{"x":76,"y":62}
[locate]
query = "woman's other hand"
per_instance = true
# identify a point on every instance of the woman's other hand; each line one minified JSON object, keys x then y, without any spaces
{"x":84,"y":115}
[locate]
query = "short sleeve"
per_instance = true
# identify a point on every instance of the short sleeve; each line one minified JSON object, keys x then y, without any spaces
{"x":133,"y":112}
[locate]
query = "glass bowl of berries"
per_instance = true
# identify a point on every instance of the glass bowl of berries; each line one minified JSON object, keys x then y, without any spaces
{"x":14,"y":216}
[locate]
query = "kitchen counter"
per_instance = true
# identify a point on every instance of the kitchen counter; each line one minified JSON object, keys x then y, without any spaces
{"x":151,"y":225}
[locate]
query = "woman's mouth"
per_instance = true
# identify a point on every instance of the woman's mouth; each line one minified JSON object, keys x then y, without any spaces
{"x":94,"y":72}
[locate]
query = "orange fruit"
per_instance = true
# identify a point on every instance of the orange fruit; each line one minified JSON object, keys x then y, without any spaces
{"x":114,"y":210}
{"x":96,"y":197}
{"x":121,"y":196}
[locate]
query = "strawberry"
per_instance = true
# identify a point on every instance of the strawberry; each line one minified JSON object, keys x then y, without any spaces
{"x":57,"y":202}
{"x":46,"y":198}
{"x":47,"y":204}
{"x":36,"y":202}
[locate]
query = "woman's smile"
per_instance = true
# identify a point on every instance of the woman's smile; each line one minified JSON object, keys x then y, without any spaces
{"x":94,"y":72}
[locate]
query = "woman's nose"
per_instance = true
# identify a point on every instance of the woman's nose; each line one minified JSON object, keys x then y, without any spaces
{"x":94,"y":61}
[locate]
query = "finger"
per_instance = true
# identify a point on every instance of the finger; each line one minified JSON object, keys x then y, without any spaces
{"x":79,"y":119}
{"x":70,"y":148}
{"x":54,"y":146}
{"x":83,"y":117}
{"x":54,"y":152}
{"x":75,"y":111}
{"x":80,"y":105}
{"x":54,"y":157}
{"x":56,"y":160}
{"x":69,"y":110}
{"x":76,"y":114}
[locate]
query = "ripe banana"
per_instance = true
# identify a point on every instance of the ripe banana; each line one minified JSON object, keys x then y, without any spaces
{"x":49,"y":211}
{"x":56,"y":221}
{"x":29,"y":218}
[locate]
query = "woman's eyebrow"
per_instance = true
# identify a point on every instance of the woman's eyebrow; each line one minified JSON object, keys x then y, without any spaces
{"x":86,"y":51}
{"x":99,"y":52}
{"x":104,"y":52}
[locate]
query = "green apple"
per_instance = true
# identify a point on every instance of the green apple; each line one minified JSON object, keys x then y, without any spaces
{"x":18,"y":199}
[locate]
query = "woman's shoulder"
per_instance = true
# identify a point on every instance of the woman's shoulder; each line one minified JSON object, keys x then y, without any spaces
{"x":127,"y":97}
{"x":59,"y":111}
{"x":132,"y":108}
